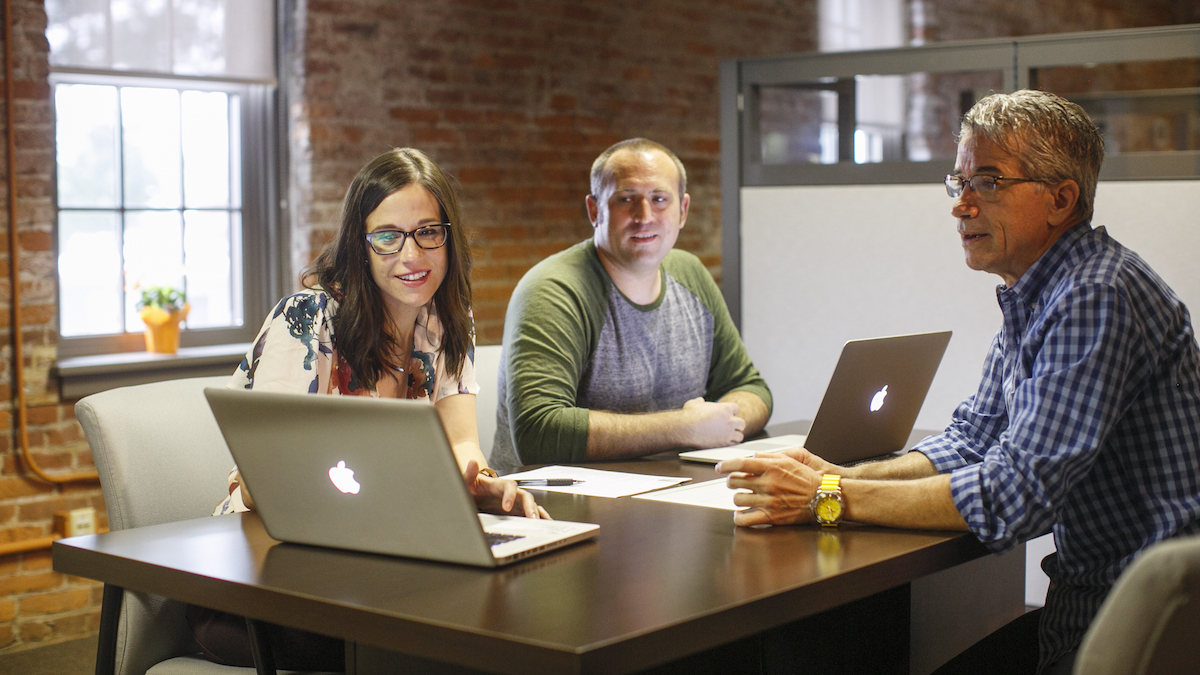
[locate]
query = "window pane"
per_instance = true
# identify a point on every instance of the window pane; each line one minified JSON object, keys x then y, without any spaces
{"x":78,"y":32}
{"x":150,"y":123}
{"x":89,"y":272}
{"x":86,"y":145}
{"x":153,"y":256}
{"x":141,"y":35}
{"x":211,"y":260}
{"x":206,"y":149}
{"x":1142,"y":107}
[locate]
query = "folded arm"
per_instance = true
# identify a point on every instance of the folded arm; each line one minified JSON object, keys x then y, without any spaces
{"x":698,"y":424}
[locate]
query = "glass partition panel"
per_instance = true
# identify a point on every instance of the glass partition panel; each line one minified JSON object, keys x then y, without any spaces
{"x":1142,"y":107}
{"x":867,"y":119}
{"x":937,"y":102}
{"x":798,"y":123}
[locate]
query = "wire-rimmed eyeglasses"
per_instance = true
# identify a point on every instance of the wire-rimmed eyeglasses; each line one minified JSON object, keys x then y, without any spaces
{"x":983,"y":184}
{"x":387,"y":242}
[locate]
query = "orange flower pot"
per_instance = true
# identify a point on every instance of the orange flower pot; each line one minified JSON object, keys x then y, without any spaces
{"x":162,"y":328}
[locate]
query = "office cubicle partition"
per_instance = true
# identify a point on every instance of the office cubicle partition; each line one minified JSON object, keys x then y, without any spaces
{"x":836,"y":224}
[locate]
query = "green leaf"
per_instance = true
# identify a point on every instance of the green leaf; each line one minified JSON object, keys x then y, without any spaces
{"x":167,"y":298}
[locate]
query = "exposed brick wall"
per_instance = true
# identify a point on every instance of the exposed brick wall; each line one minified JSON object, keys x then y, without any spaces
{"x":515,"y":97}
{"x":962,"y":20}
{"x":37,"y":605}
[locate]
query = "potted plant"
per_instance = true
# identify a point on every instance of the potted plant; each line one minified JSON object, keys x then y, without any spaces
{"x":162,"y":308}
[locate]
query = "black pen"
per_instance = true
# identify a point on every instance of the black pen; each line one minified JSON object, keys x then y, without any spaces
{"x":548,"y":482}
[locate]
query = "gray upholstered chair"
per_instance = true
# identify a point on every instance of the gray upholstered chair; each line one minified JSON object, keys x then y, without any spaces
{"x":1150,"y":622}
{"x":487,"y":371}
{"x":161,"y":458}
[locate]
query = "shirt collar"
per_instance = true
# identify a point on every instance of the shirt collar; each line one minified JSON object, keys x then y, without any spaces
{"x":1047,"y":268}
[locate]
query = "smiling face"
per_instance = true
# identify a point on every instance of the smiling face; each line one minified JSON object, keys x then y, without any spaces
{"x":638,"y":215}
{"x":1007,"y":231}
{"x":408,"y":278}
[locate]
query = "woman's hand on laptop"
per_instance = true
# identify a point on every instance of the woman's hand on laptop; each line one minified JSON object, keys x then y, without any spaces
{"x":500,"y":495}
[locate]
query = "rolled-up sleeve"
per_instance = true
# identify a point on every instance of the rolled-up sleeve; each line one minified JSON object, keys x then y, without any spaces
{"x":1080,"y":358}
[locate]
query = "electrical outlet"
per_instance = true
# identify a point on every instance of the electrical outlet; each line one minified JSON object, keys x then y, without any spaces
{"x":75,"y":522}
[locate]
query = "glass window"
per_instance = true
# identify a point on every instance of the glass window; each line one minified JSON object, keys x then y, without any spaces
{"x":158,"y":200}
{"x":152,"y":101}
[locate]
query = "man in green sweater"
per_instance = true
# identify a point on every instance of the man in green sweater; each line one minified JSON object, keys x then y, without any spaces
{"x":621,"y":346}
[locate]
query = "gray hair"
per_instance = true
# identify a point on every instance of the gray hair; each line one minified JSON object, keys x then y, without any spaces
{"x":602,"y":173}
{"x":1051,"y":138}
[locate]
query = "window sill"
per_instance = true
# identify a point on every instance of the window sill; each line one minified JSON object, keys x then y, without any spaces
{"x":83,"y":375}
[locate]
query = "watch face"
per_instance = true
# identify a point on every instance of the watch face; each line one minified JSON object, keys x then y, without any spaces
{"x":829,"y":509}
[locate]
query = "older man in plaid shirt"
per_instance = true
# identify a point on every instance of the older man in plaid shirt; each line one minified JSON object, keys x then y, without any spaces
{"x":1087,"y":421}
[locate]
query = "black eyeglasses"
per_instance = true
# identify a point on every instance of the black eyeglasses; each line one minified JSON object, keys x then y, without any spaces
{"x":387,"y":242}
{"x":983,"y":184}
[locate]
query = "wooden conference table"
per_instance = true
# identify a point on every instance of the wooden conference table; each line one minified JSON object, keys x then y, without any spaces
{"x":660,"y":583}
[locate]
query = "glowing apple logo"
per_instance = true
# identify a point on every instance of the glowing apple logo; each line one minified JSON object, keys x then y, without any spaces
{"x":343,"y":479}
{"x":876,"y":401}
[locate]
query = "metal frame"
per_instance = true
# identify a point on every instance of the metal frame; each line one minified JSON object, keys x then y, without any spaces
{"x":1015,"y":58}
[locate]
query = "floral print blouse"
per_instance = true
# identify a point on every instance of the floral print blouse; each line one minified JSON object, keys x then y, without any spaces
{"x":294,"y":353}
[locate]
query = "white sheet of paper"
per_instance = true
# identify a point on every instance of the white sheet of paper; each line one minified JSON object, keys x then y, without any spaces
{"x":713,"y":494}
{"x":597,"y":483}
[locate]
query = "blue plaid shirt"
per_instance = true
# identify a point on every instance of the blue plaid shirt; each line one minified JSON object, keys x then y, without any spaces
{"x":1086,"y":423}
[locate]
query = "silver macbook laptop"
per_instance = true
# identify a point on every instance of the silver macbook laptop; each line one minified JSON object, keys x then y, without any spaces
{"x":373,"y":475}
{"x":869,"y":407}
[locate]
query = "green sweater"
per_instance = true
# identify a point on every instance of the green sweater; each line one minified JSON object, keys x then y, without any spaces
{"x":573,"y":342}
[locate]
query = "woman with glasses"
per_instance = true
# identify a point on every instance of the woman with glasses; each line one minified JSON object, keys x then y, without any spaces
{"x":386,"y":312}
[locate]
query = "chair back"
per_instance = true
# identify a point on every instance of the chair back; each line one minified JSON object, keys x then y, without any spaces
{"x":161,"y":458}
{"x":1151,"y":619}
{"x":487,"y":372}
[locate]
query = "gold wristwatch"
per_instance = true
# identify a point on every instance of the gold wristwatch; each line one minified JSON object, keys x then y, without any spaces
{"x":828,"y":505}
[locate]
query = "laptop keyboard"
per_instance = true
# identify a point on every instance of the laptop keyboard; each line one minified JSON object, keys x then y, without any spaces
{"x":496,"y":538}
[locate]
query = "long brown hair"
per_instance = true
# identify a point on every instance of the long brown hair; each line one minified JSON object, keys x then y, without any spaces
{"x":362,"y":333}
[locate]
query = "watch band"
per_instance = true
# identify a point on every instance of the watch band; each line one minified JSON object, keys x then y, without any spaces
{"x":489,"y":472}
{"x":831,"y":483}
